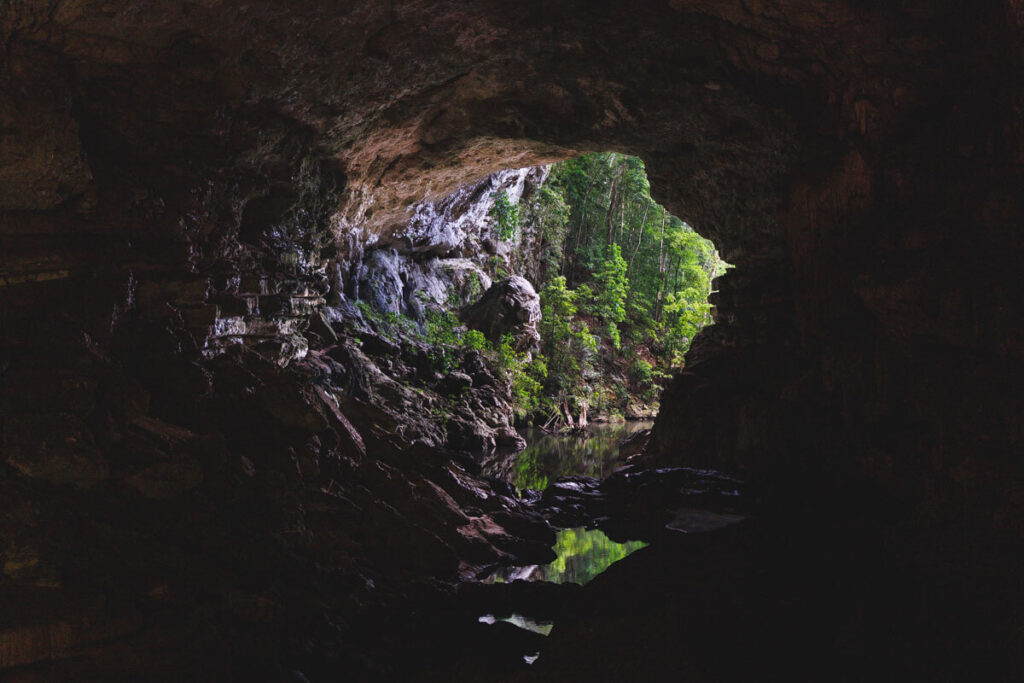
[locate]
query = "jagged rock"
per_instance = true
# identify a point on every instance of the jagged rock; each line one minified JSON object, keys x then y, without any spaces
{"x":508,"y":440}
{"x":640,"y":411}
{"x":858,"y":162}
{"x":376,"y":345}
{"x":454,"y":383}
{"x":319,"y":326}
{"x":507,"y":307}
{"x":634,"y":444}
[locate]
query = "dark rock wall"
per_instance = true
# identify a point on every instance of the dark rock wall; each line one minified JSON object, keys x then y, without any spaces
{"x":181,"y":184}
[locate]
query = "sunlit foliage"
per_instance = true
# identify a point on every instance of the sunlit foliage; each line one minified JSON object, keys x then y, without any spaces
{"x":616,"y":264}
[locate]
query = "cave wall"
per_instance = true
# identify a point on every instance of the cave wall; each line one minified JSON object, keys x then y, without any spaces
{"x":177,"y":178}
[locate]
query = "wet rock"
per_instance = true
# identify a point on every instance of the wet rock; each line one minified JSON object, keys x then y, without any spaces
{"x":634,"y":444}
{"x":509,"y":440}
{"x":853,"y":343}
{"x":473,"y":364}
{"x":509,"y":307}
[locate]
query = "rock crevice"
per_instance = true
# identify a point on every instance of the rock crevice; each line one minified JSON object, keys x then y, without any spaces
{"x":191,"y":193}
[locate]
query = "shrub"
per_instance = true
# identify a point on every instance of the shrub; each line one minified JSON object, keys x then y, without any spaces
{"x":642,"y":371}
{"x":474,"y":339}
{"x":442,"y":333}
{"x":505,"y":215}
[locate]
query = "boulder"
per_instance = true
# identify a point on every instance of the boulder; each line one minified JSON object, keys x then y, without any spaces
{"x":510,"y":306}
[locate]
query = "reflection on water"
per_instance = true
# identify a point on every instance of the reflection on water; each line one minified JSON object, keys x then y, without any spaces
{"x":550,"y":456}
{"x":582,"y":555}
{"x":525,"y":623}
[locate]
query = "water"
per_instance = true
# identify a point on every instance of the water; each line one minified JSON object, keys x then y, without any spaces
{"x":550,"y":456}
{"x":526,"y":623}
{"x":582,"y":555}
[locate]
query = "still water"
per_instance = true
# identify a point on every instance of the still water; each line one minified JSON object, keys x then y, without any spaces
{"x":582,"y":555}
{"x":550,"y":456}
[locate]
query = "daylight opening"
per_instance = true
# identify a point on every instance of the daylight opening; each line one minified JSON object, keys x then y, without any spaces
{"x":568,"y":282}
{"x":623,"y":286}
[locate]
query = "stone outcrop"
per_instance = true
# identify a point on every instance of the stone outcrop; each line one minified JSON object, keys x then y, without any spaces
{"x":447,"y":253}
{"x":510,"y":307}
{"x":185,"y":187}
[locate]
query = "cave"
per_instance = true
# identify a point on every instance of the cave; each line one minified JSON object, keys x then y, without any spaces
{"x":204,"y":477}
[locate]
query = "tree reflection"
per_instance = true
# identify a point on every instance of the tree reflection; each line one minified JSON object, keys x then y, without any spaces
{"x":582,"y":555}
{"x":550,"y":456}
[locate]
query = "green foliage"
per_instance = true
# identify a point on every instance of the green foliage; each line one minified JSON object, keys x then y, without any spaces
{"x":497,"y":268}
{"x":550,"y":212}
{"x":686,"y":313}
{"x":528,"y":472}
{"x":582,"y":554}
{"x":505,"y":215}
{"x":642,"y":371}
{"x":443,"y":333}
{"x":528,"y":385}
{"x":474,"y":287}
{"x":612,"y":290}
{"x":585,"y":300}
{"x":391,"y":325}
{"x":567,"y":344}
{"x":548,"y":457}
{"x":474,"y":339}
{"x":607,"y":259}
{"x":613,"y":258}
{"x":526,"y":375}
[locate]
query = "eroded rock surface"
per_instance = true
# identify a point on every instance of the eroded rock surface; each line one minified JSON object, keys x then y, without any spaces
{"x":187,"y":190}
{"x":510,"y":307}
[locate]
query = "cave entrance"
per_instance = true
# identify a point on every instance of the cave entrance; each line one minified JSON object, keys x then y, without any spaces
{"x":554,"y":303}
{"x":623,"y":287}
{"x":569,"y":285}
{"x":571,"y":293}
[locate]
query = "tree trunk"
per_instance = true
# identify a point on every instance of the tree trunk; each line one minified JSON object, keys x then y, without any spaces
{"x":622,"y":220}
{"x":643,"y":224}
{"x":569,"y":263}
{"x":661,"y":271}
{"x":609,"y":221}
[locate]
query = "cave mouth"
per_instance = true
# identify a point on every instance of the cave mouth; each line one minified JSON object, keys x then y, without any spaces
{"x":209,"y":459}
{"x":569,"y":282}
{"x":543,"y":309}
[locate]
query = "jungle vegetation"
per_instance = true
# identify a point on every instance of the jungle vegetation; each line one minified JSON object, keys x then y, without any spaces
{"x":623,"y":286}
{"x":623,"y":283}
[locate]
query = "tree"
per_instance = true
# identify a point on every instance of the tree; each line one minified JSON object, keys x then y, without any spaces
{"x":549,"y":213}
{"x":609,"y":254}
{"x":505,"y":215}
{"x":612,"y":291}
{"x":568,"y":346}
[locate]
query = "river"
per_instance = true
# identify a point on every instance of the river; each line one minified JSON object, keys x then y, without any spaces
{"x":549,"y":456}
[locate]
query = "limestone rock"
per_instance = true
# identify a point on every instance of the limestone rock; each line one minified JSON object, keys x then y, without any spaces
{"x":510,"y":306}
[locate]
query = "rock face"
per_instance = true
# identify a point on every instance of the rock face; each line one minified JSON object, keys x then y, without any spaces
{"x":509,"y":307}
{"x":446,"y":253}
{"x":185,"y":188}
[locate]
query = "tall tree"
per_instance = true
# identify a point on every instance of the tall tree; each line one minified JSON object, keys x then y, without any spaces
{"x":661,"y":269}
